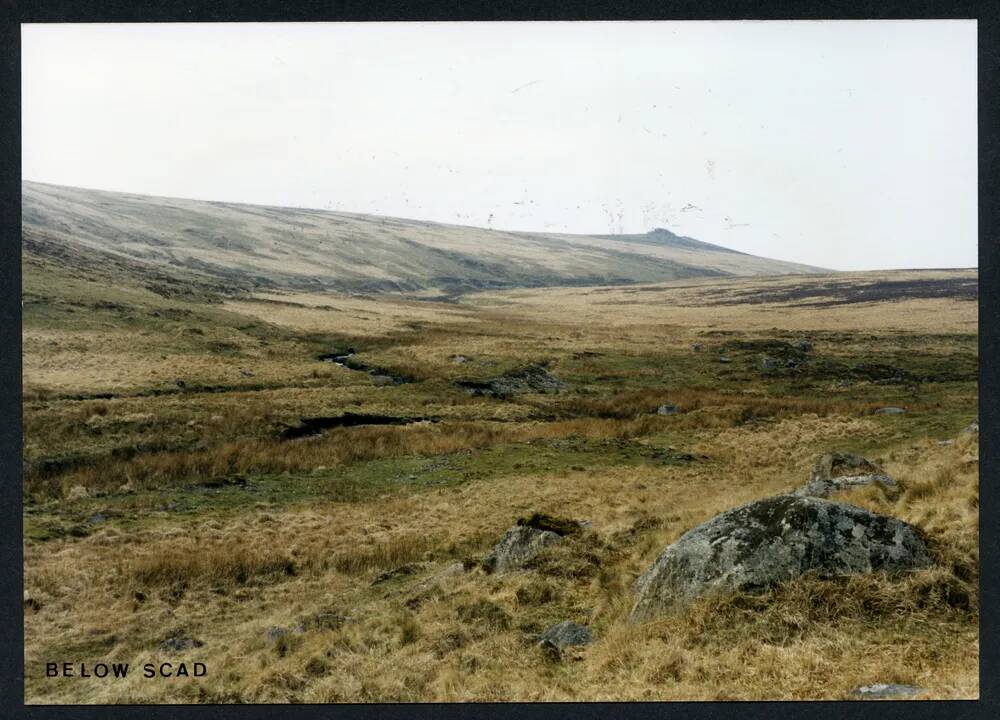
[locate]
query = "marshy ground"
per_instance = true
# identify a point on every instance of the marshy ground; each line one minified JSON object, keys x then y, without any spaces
{"x":168,"y":506}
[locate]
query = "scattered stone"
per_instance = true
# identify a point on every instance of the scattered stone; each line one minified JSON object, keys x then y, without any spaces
{"x":532,"y":378}
{"x":755,"y":546}
{"x":886,"y":690}
{"x":563,"y":635}
{"x":666,"y":410}
{"x":890,"y":411}
{"x":768,"y":364}
{"x":840,"y":471}
{"x":518,"y":545}
{"x":178,"y":643}
{"x":273,"y":633}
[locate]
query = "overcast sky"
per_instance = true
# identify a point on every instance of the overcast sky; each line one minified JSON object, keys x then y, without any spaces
{"x":849,"y":145}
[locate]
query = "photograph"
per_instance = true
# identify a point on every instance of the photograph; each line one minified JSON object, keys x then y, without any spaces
{"x":499,"y":362}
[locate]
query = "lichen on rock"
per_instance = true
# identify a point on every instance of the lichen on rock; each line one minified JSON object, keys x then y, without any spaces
{"x":757,"y":545}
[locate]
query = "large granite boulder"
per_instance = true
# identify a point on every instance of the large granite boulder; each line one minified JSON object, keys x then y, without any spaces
{"x":757,"y":545}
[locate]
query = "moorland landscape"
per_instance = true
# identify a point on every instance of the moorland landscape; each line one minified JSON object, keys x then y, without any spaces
{"x":345,"y":458}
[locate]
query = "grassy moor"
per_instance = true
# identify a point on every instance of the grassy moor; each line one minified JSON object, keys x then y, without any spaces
{"x":285,"y":444}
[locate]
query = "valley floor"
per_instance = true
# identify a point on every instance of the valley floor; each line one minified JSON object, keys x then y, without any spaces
{"x":168,"y":517}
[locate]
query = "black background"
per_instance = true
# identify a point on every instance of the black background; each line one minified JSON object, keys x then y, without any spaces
{"x":11,"y":589}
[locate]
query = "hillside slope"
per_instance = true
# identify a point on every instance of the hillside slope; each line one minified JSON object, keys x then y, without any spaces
{"x":253,"y":247}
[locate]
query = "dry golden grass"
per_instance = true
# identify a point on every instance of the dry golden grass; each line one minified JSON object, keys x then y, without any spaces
{"x":437,"y":632}
{"x":409,"y":641}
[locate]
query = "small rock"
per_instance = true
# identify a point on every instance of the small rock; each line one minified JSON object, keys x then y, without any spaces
{"x":886,"y":690}
{"x":839,"y":471}
{"x":946,"y":442}
{"x":245,"y":373}
{"x":696,"y":347}
{"x":273,"y":633}
{"x":458,"y":358}
{"x":518,"y":545}
{"x":563,"y":635}
{"x":383,"y":380}
{"x":725,"y":359}
{"x":804,"y":346}
{"x":666,"y":410}
{"x":180,"y":383}
{"x":768,"y":364}
{"x":890,"y":411}
{"x":178,"y":643}
{"x":972,"y":428}
{"x":97,"y":518}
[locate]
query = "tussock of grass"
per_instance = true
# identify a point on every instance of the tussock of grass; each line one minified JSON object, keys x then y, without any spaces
{"x":229,"y":563}
{"x":385,"y":555}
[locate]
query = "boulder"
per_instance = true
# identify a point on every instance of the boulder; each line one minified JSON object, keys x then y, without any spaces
{"x":755,"y":546}
{"x":531,"y":378}
{"x":840,"y":471}
{"x":563,"y":635}
{"x":518,"y":545}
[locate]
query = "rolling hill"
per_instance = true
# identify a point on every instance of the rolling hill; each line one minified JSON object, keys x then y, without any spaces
{"x":237,"y":247}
